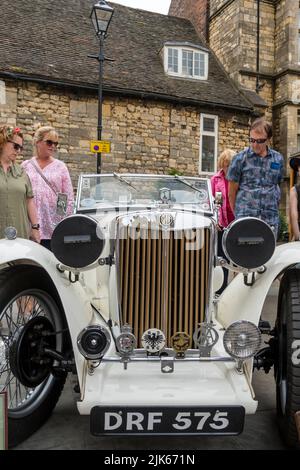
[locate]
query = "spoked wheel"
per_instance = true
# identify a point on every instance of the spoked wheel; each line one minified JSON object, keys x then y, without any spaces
{"x":30,"y":323}
{"x":287,"y":367}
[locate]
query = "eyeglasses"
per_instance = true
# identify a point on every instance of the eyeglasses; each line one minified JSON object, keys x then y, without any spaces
{"x":50,"y":143}
{"x":258,"y":141}
{"x":16,"y":146}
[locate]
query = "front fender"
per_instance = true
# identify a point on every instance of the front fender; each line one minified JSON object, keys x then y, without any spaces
{"x":241,"y":302}
{"x":74,"y":300}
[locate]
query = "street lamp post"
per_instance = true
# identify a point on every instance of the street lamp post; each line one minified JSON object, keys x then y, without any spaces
{"x":101,"y":16}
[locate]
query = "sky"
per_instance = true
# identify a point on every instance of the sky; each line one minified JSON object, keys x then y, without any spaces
{"x":159,"y":6}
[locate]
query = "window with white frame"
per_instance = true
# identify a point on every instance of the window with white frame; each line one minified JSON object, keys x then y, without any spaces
{"x":186,"y":62}
{"x":208,"y":143}
{"x":173,"y":60}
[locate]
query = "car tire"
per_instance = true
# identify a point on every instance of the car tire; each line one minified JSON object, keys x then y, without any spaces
{"x":287,"y":369}
{"x":29,"y":415}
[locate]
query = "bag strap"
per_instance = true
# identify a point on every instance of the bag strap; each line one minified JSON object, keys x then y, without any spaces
{"x":43,"y":176}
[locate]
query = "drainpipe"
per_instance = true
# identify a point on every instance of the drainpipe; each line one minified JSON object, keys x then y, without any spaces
{"x":207,"y":21}
{"x":257,"y":88}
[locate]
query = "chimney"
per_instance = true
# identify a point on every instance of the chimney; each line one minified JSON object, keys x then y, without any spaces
{"x":197,"y":11}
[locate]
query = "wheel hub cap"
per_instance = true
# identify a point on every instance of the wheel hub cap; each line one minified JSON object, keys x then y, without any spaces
{"x":27,"y":357}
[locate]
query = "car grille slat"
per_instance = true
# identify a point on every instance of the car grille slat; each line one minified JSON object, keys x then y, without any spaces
{"x":162,"y":284}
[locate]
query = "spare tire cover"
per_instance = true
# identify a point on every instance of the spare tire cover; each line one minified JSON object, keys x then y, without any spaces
{"x":77,"y":242}
{"x":248,"y":242}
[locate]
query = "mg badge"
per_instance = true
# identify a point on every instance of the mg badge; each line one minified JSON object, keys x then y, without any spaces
{"x":205,"y":338}
{"x":166,"y":220}
{"x":180,"y":342}
{"x":153,"y":340}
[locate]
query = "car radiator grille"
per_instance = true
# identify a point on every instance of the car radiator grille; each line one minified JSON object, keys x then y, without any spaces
{"x":162,"y":284}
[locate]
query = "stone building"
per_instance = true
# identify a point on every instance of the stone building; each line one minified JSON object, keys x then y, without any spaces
{"x":258,"y":43}
{"x":168,"y":103}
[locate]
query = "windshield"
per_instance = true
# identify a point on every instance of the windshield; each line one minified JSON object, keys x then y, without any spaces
{"x":96,"y":191}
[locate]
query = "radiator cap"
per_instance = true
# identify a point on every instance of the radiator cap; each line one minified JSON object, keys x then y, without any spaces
{"x":249,"y":242}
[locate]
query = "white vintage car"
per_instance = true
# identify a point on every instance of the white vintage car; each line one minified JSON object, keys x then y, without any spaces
{"x":126,"y":301}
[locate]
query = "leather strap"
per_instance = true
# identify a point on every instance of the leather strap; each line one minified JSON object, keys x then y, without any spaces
{"x":43,"y":176}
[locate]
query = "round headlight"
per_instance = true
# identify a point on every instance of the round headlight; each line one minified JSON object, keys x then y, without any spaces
{"x":248,"y":242}
{"x":77,"y":241}
{"x":93,"y":342}
{"x":242,"y":339}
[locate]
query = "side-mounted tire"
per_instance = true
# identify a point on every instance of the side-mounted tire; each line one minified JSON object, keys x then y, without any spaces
{"x":287,"y":365}
{"x":26,"y":295}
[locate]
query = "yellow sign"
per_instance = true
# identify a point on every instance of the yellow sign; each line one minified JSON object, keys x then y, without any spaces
{"x":100,"y":146}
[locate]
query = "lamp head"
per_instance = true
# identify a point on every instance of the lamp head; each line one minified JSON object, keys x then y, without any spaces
{"x":101,"y":16}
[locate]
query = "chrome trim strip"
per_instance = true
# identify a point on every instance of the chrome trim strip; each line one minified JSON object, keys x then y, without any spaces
{"x":180,"y":359}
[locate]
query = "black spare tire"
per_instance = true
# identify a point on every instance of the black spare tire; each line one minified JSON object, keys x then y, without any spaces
{"x":249,"y":242}
{"x":77,"y":241}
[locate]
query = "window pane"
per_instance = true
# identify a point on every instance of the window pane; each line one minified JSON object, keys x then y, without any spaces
{"x":173,"y":60}
{"x":208,"y":153}
{"x":298,"y":143}
{"x":298,"y":47}
{"x":208,"y":124}
{"x":187,"y":62}
{"x":199,"y":64}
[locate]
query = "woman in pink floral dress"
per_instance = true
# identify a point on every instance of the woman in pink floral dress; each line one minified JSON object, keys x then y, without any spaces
{"x":50,"y":178}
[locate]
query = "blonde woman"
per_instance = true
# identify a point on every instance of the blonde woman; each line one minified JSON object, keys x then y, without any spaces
{"x":17,"y":206}
{"x":50,"y":181}
{"x":219,"y":183}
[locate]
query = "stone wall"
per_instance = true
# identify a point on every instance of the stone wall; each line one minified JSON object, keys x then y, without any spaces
{"x":194,"y":10}
{"x":224,"y":38}
{"x":233,"y":38}
{"x":281,"y":123}
{"x":287,"y":87}
{"x":266,"y":92}
{"x":146,"y":136}
{"x":248,"y":36}
{"x":286,"y":34}
{"x":216,"y":5}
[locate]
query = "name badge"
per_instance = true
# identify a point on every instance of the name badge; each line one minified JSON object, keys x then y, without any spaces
{"x":275,"y":166}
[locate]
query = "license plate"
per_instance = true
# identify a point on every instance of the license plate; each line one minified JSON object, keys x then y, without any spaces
{"x":221,"y":420}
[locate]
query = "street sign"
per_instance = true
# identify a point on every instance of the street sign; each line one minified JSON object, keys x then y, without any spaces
{"x":100,"y":146}
{"x":3,"y":421}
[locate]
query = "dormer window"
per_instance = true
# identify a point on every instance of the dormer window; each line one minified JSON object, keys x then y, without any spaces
{"x":186,"y":60}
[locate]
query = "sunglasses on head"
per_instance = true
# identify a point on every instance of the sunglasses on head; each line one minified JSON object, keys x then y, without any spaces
{"x":16,"y":146}
{"x":51,"y":142}
{"x":258,"y":141}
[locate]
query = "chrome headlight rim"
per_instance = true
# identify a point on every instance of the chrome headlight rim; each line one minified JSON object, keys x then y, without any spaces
{"x":99,"y":329}
{"x":229,"y":331}
{"x":263,"y":240}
